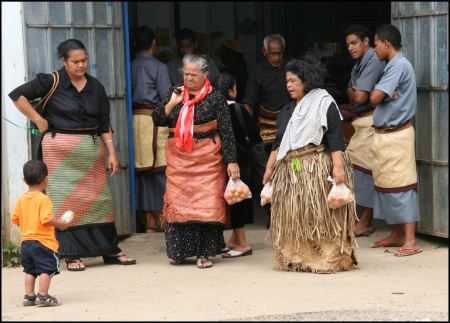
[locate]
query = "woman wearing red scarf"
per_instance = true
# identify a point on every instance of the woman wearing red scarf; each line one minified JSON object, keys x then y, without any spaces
{"x":200,"y":152}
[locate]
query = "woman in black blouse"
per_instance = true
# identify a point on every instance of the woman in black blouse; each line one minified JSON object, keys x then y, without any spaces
{"x":306,"y":234}
{"x":201,"y":150}
{"x":75,"y":118}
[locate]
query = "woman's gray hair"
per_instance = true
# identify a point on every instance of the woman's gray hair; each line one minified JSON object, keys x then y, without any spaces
{"x":200,"y":60}
{"x":268,"y":38}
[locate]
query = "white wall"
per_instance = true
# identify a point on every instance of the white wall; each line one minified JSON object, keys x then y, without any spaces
{"x":15,"y":150}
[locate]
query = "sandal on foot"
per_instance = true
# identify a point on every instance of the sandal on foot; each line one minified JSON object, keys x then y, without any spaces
{"x":46,"y":300}
{"x":29,"y":300}
{"x":234,"y":253}
{"x":204,"y":262}
{"x":403,"y":252}
{"x":177,"y":262}
{"x":114,"y":260}
{"x":383,"y":244}
{"x":365,"y":233}
{"x":80,"y":265}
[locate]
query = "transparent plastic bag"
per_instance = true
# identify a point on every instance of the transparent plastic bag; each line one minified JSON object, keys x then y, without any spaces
{"x":339,"y":195}
{"x":236,"y":191}
{"x":266,"y":194}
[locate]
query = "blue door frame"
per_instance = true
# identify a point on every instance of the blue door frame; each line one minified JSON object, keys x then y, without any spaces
{"x":129,"y":110}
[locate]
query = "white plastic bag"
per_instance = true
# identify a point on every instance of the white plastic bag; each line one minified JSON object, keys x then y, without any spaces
{"x":339,"y":195}
{"x":236,"y":191}
{"x":266,"y":194}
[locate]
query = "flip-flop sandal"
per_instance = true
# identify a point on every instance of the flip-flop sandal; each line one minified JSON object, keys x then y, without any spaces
{"x":365,"y":233}
{"x":74,"y":261}
{"x":235,"y":253}
{"x":225,"y":250}
{"x":403,"y":252}
{"x":177,"y":262}
{"x":382,"y":244}
{"x":114,"y":260}
{"x":202,"y":263}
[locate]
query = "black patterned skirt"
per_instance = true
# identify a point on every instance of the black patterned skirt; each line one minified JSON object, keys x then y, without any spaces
{"x":185,"y":240}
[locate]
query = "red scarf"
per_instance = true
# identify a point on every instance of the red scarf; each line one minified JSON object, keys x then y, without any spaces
{"x":185,"y":124}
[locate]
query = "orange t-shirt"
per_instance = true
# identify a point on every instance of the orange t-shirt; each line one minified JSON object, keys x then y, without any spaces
{"x":32,"y":213}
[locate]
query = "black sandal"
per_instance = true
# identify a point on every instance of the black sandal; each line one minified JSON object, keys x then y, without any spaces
{"x":74,"y":261}
{"x":114,"y":260}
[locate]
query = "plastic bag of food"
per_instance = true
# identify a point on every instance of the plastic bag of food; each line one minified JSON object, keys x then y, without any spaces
{"x":339,"y":195}
{"x":266,"y":194}
{"x":236,"y":191}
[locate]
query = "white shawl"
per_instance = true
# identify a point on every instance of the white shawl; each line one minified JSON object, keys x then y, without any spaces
{"x":308,"y":122}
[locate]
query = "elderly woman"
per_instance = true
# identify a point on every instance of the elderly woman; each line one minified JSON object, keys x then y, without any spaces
{"x":77,"y":130}
{"x":306,"y":234}
{"x":201,"y":150}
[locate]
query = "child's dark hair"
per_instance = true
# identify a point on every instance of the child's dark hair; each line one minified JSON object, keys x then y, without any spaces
{"x":34,"y":172}
{"x":226,"y":82}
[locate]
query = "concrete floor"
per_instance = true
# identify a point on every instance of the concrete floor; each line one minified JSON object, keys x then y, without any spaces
{"x":383,"y":288}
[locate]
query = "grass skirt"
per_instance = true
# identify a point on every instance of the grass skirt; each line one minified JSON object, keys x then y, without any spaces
{"x":306,"y":234}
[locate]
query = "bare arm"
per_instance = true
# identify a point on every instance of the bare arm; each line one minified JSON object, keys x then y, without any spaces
{"x":59,"y":224}
{"x":357,"y":96}
{"x":27,"y":110}
{"x":376,"y":97}
{"x":269,"y":166}
{"x":113,"y":159}
{"x":338,"y":166}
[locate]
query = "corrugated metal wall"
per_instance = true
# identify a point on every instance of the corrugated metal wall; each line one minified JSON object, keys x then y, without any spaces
{"x":99,"y":26}
{"x":424,"y":29}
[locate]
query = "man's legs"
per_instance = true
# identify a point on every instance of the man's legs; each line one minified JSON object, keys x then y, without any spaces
{"x":364,"y":226}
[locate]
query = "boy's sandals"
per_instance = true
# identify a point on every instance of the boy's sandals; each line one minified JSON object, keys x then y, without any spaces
{"x":29,"y":300}
{"x":204,"y":262}
{"x":114,"y":260}
{"x":46,"y":300}
{"x":79,"y":267}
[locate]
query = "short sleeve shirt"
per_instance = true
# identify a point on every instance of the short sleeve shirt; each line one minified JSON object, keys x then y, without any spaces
{"x":398,"y":76}
{"x":365,"y":75}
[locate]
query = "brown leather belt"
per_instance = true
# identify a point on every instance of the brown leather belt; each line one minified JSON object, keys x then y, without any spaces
{"x":206,"y":127}
{"x":146,"y":112}
{"x":141,"y":109}
{"x":402,"y":126}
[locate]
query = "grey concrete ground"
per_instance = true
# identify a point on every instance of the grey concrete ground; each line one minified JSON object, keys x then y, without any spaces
{"x":383,"y":288}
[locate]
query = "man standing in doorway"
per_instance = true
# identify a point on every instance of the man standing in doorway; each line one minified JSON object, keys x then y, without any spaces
{"x":365,"y":74}
{"x":150,"y":84}
{"x":266,"y":94}
{"x":187,"y":44}
{"x":394,"y":160}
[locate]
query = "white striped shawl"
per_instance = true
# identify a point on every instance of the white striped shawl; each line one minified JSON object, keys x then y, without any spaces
{"x":308,"y":122}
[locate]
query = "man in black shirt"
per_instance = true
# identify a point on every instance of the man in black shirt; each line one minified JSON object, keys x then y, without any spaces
{"x":266,"y":93}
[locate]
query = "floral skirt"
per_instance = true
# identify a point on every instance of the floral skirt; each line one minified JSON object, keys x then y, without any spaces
{"x":185,"y":240}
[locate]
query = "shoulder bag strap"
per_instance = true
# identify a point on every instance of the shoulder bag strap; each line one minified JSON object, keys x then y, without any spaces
{"x":52,"y":90}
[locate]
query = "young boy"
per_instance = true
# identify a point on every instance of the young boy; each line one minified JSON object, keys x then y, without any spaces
{"x":33,"y":214}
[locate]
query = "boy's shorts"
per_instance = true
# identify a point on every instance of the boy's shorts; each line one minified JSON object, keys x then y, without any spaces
{"x":37,"y":259}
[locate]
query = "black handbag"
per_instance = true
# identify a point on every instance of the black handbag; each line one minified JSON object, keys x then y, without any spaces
{"x":39,"y":104}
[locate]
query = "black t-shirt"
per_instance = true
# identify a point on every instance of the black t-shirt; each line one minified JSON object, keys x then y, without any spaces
{"x":67,"y":108}
{"x":333,"y":138}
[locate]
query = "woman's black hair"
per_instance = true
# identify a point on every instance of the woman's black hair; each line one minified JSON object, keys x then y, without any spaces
{"x":391,"y":34}
{"x":34,"y":172}
{"x":226,"y":82}
{"x":65,"y":47}
{"x":310,"y":70}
